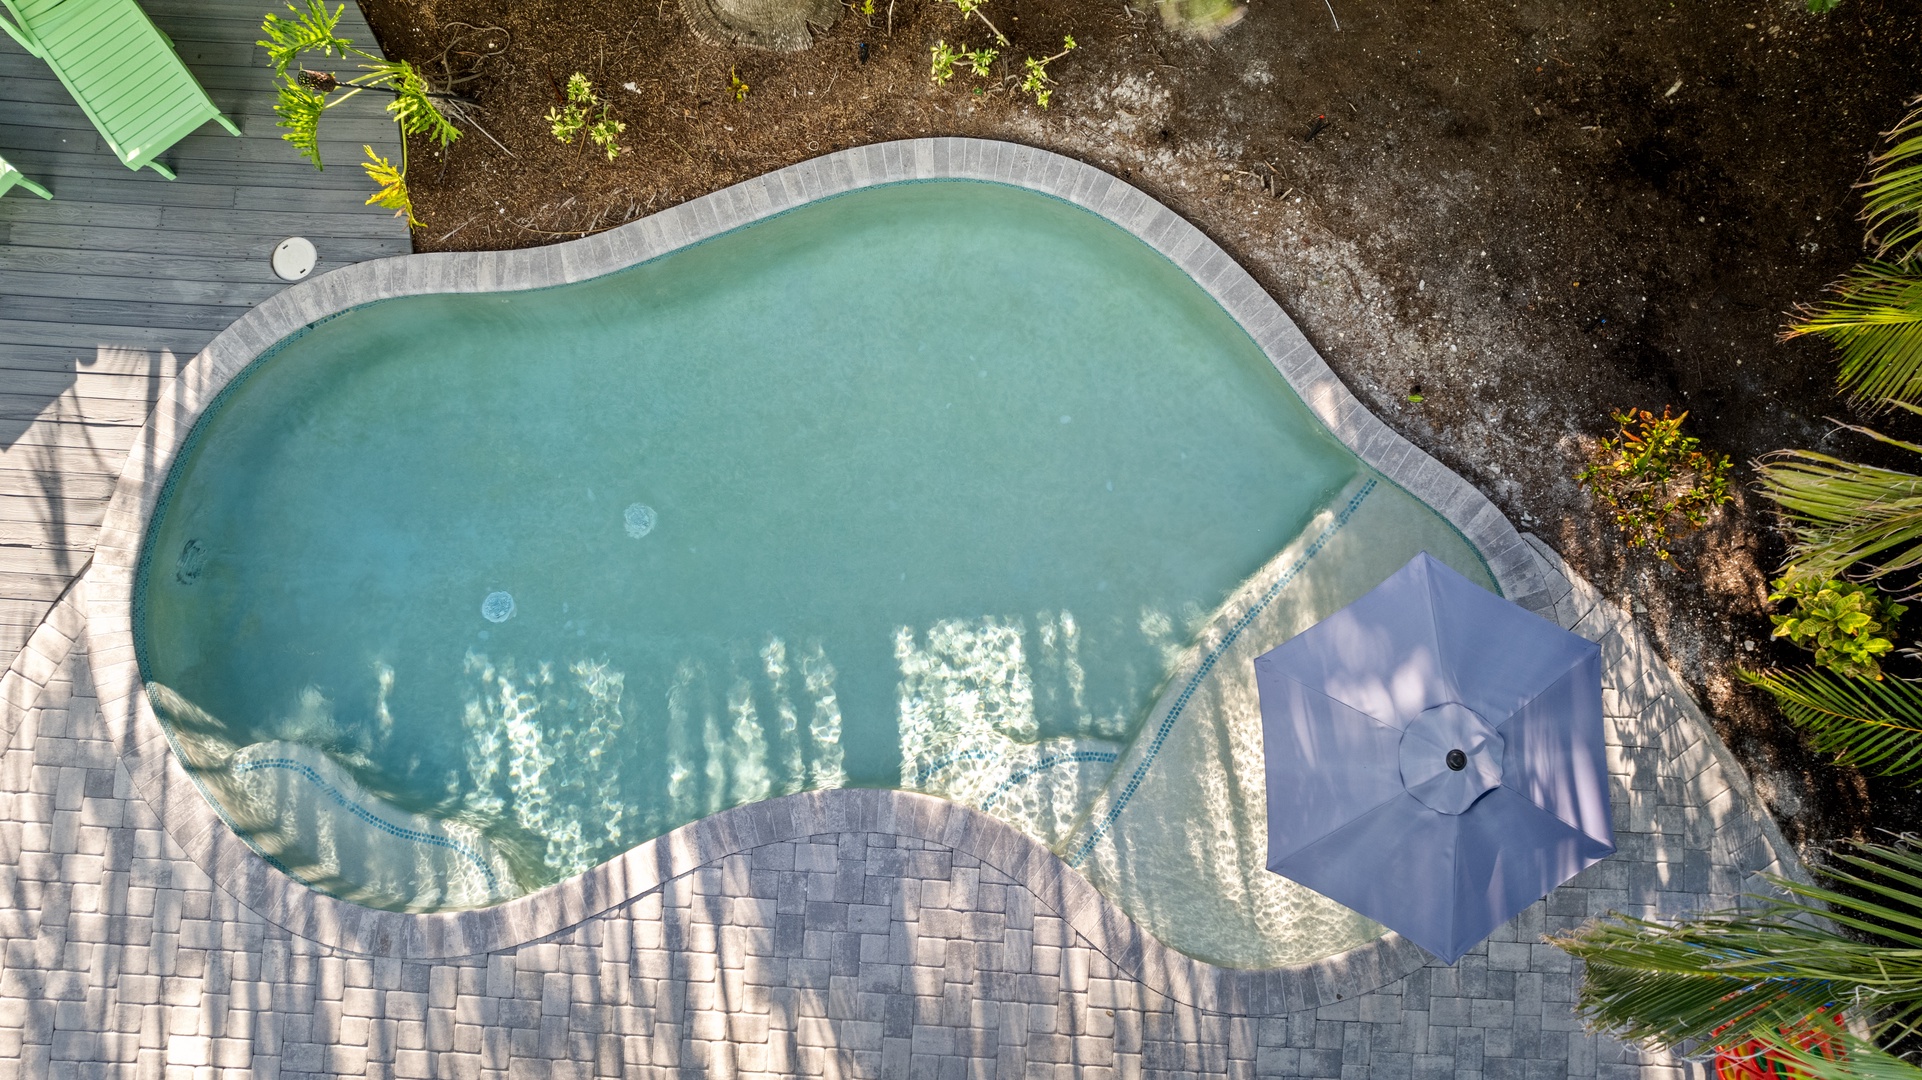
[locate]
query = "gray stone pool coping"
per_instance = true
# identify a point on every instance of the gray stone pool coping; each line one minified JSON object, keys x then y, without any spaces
{"x":200,"y":831}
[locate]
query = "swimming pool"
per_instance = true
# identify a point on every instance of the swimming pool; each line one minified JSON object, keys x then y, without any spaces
{"x":946,"y":486}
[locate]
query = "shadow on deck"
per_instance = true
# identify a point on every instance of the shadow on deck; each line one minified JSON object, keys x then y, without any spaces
{"x":107,"y":290}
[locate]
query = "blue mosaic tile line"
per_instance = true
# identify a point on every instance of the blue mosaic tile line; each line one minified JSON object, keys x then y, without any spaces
{"x":363,"y":814}
{"x":927,"y":771}
{"x":1207,"y":665}
{"x":1106,"y":757}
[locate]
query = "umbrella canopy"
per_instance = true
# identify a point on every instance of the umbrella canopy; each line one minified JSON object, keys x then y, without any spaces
{"x":1434,"y":757}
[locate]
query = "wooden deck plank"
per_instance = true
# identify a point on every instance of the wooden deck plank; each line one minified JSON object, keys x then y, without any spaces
{"x":158,"y":316}
{"x":58,"y":444}
{"x":102,"y":336}
{"x":239,"y":259}
{"x":49,"y":121}
{"x":74,"y":183}
{"x":50,"y":511}
{"x":32,"y":587}
{"x":22,"y":614}
{"x":73,"y":409}
{"x":85,"y":311}
{"x":22,"y":560}
{"x":75,"y":483}
{"x":162,"y":358}
{"x":215,"y":267}
{"x":176,"y":290}
{"x":107,"y":290}
{"x":40,"y":384}
{"x":204,"y":223}
{"x":72,"y":240}
{"x":201,"y":158}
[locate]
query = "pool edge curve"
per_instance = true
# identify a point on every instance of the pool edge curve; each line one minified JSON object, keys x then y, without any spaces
{"x":197,"y":827}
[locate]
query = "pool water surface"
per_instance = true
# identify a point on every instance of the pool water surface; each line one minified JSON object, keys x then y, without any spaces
{"x":929,"y":486}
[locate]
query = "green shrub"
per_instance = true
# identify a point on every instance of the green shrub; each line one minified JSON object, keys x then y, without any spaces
{"x":1843,"y":623}
{"x":1658,"y":482}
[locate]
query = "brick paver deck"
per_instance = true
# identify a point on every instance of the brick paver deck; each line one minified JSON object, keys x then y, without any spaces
{"x":894,"y":951}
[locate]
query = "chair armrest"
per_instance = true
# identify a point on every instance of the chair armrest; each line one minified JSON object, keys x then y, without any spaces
{"x":20,"y":35}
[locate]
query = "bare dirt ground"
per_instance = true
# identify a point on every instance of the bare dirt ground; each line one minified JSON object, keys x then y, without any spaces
{"x":1527,"y":213}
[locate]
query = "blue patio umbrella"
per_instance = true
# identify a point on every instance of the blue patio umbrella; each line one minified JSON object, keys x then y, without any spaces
{"x":1434,"y":757}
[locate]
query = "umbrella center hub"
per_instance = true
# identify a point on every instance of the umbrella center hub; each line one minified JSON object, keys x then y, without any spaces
{"x":1450,"y":757}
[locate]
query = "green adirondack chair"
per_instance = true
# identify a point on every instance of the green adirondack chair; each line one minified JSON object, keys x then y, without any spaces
{"x":121,"y":69}
{"x":10,"y":178}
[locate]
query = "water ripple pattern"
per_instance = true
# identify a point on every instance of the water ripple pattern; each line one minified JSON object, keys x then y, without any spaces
{"x":1207,"y":665}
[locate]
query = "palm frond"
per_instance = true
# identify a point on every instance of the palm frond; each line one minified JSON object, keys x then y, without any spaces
{"x":1875,"y":321}
{"x":299,"y":110}
{"x":1841,"y":513}
{"x":1892,"y":202}
{"x":413,"y":106}
{"x":1730,"y":975}
{"x":1873,"y":726}
{"x":311,"y":30}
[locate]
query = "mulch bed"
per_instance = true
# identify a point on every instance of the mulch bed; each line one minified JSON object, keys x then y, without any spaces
{"x":1527,"y":214}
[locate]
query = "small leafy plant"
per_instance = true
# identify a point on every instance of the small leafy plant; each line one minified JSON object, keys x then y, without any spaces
{"x":584,"y":110}
{"x":1036,"y":80}
{"x":947,"y":58}
{"x":736,"y":85}
{"x":305,"y":95}
{"x":1844,"y":624}
{"x":1658,"y":481}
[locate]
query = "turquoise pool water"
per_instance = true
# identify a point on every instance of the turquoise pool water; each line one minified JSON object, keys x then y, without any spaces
{"x":926,"y":486}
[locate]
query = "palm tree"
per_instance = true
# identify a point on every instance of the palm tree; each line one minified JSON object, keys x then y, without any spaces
{"x":1875,"y":322}
{"x":1875,"y":726}
{"x":1844,"y":516}
{"x":1875,"y":319}
{"x":1893,"y":203}
{"x":1764,"y":972}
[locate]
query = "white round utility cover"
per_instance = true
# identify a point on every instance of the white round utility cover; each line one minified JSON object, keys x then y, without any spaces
{"x":1450,"y":757}
{"x":294,"y":258}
